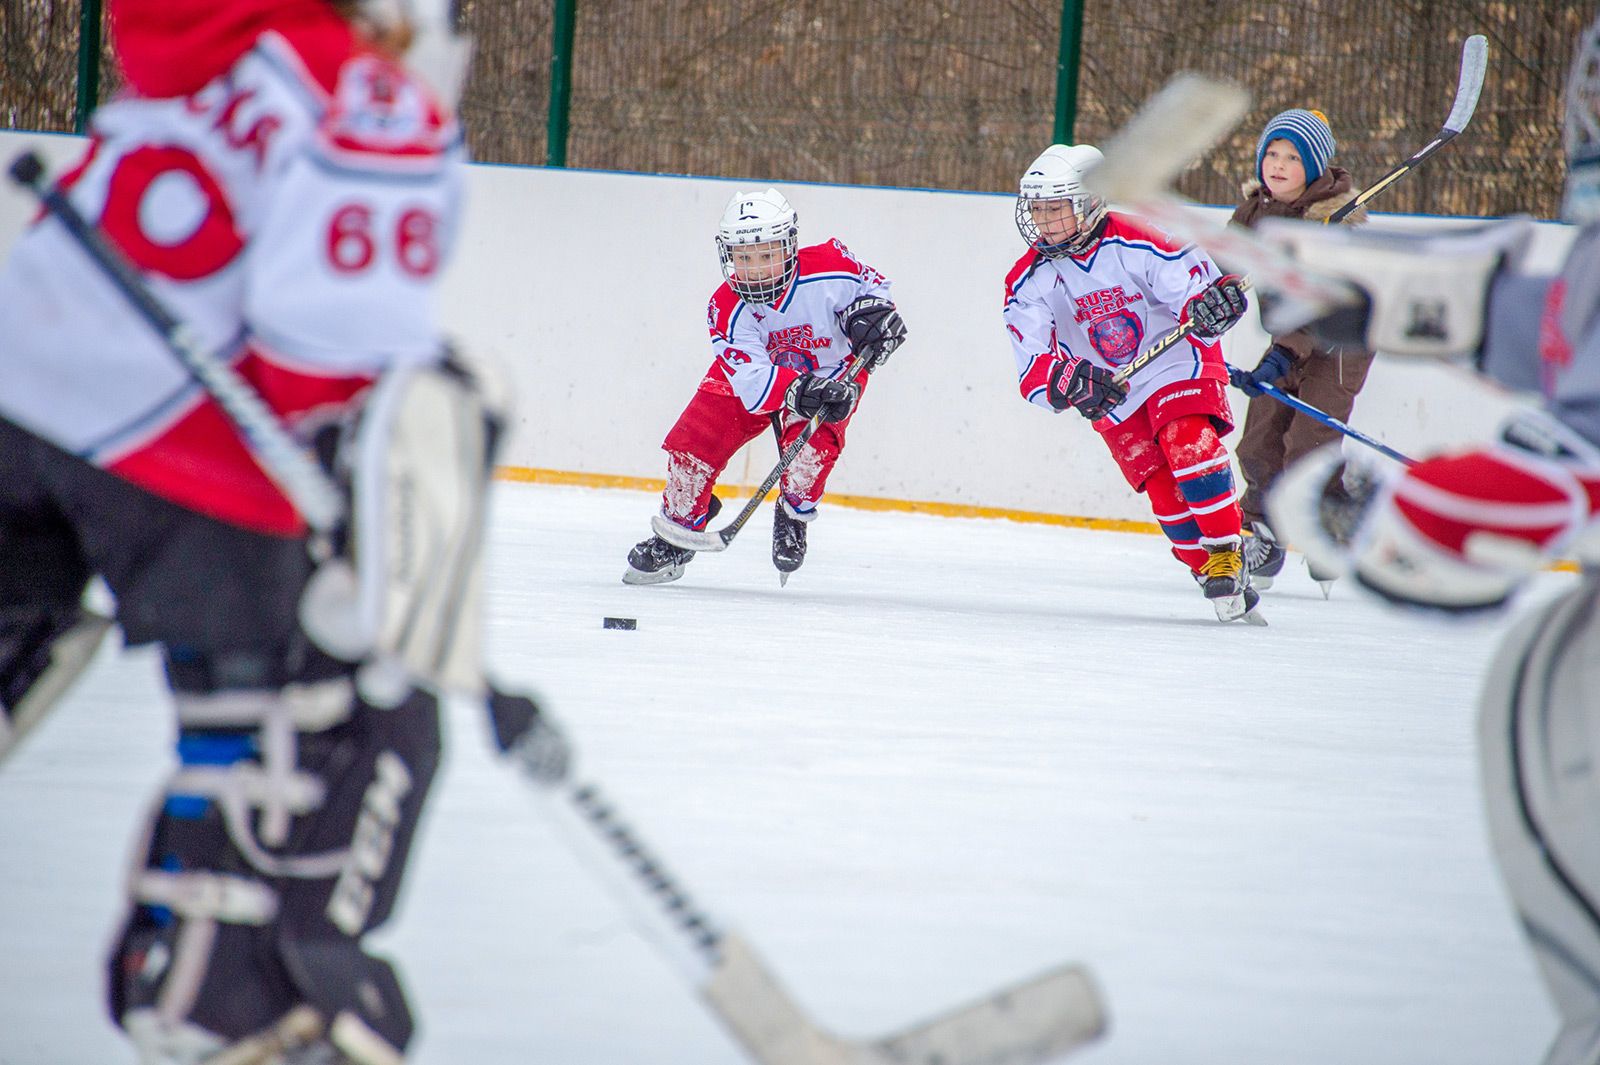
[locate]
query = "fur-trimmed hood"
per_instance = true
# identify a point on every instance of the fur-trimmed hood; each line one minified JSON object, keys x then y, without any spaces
{"x":1320,"y":200}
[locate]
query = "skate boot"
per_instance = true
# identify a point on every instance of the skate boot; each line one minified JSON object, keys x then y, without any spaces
{"x":1224,"y":580}
{"x":788,"y":542}
{"x":654,"y":561}
{"x":1263,"y":555}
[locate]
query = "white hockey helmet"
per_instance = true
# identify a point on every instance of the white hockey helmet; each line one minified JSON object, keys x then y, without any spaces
{"x":1056,"y":178}
{"x":426,"y":35}
{"x":752,"y":221}
{"x":1581,"y":202}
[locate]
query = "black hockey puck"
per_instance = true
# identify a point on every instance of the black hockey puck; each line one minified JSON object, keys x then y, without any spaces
{"x":620,"y":623}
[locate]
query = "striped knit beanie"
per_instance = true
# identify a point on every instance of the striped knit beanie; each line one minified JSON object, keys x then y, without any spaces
{"x":1309,"y":133}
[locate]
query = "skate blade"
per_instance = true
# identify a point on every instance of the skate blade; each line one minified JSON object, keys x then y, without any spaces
{"x":1327,"y":589}
{"x":1260,"y":583}
{"x":1254,"y":617}
{"x":633,"y":576}
{"x":783,"y":579}
{"x":1237,"y":608}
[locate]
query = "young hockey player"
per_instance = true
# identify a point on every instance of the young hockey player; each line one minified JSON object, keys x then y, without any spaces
{"x":1462,"y":531}
{"x":784,"y":327}
{"x":1094,"y":289}
{"x":1294,"y":178}
{"x":286,"y":188}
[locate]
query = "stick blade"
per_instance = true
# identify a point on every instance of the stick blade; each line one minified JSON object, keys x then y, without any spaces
{"x":1035,"y":1021}
{"x":1474,"y":64}
{"x":1029,"y":1023}
{"x":678,"y":536}
{"x":1173,"y":129}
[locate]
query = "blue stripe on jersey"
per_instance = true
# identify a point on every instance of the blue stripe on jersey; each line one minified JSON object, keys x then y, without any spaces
{"x":788,"y":297}
{"x":1011,"y":290}
{"x":293,"y":77}
{"x":1207,"y":486}
{"x":1136,"y":245}
{"x":186,"y":807}
{"x":427,"y":174}
{"x":765,"y":392}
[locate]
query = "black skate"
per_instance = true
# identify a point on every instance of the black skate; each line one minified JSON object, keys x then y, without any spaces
{"x":1224,"y":580}
{"x":654,"y":561}
{"x":788,"y":542}
{"x":1263,"y":555}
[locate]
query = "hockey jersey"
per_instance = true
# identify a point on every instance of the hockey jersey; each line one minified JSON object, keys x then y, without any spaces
{"x":761,"y":349}
{"x":1107,"y":305}
{"x":291,"y":202}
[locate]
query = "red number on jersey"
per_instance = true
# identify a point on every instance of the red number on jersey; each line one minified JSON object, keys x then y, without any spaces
{"x":352,"y":247}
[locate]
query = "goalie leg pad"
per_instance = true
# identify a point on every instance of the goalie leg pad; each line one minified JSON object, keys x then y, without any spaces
{"x":1539,"y":746}
{"x":277,"y":844}
{"x":408,"y":589}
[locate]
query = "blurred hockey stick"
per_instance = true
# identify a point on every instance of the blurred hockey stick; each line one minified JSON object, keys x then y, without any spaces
{"x":291,"y":468}
{"x":1027,"y":1023}
{"x":1469,"y":83}
{"x":707,"y":540}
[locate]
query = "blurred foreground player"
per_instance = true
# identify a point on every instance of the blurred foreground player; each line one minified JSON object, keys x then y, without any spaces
{"x":288,"y":189}
{"x":1463,"y":531}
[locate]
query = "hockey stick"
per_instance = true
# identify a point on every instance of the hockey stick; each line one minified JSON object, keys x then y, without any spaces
{"x":1027,"y":1023}
{"x":1149,"y":355}
{"x":291,"y":469}
{"x":707,"y":540}
{"x":1331,"y":422}
{"x":1474,"y":62}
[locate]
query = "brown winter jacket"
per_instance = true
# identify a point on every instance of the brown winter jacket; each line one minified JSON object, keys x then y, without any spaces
{"x":1331,"y":191}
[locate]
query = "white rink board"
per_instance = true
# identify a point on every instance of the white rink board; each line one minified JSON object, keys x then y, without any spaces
{"x":591,"y":287}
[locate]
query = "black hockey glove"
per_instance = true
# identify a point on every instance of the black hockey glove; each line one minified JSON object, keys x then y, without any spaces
{"x":1092,"y":389}
{"x":528,"y":737}
{"x":874,"y":328}
{"x":1269,"y":371}
{"x":1218,"y":307}
{"x":810,"y":396}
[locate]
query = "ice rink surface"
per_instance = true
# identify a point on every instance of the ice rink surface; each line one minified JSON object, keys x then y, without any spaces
{"x":951,"y":753}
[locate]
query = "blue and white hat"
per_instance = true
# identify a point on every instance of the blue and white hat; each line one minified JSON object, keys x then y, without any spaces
{"x":1309,"y":133}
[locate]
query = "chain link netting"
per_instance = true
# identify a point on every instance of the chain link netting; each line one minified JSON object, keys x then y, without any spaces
{"x":938,"y":94}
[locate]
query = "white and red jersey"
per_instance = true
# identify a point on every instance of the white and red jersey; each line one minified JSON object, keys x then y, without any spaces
{"x":762,"y":349}
{"x":293,"y":209}
{"x":1107,"y":305}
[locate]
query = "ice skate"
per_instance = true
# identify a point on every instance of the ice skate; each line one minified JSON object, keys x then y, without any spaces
{"x":654,"y":561}
{"x":1263,"y":555}
{"x":788,"y":542}
{"x":1224,"y":580}
{"x":1323,"y":578}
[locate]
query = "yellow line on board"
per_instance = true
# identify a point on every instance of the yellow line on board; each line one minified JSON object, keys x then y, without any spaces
{"x":530,"y":475}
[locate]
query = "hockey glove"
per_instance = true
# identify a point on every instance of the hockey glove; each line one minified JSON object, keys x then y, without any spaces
{"x":810,"y":396}
{"x":1421,"y":296}
{"x":1269,"y":371}
{"x":874,"y":328}
{"x":1079,"y":383}
{"x":1217,"y":308}
{"x":526,"y":735}
{"x":1454,"y":532}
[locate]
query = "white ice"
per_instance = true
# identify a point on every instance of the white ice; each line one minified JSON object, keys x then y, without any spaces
{"x":949,"y":754}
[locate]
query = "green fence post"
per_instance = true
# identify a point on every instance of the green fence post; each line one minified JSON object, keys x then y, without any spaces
{"x":560,"y":83}
{"x":1067,"y":69}
{"x":88,"y":63}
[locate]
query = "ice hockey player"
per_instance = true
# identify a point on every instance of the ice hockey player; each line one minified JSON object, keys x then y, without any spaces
{"x":1094,"y":289}
{"x":287,"y":188}
{"x":1462,"y":531}
{"x":1295,"y":177}
{"x":784,"y":327}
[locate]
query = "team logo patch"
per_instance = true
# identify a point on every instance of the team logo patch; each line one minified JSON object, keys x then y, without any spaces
{"x":793,"y":359}
{"x":1116,"y":337}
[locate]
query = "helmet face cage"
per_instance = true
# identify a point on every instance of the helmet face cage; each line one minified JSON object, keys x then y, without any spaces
{"x":1582,"y":133}
{"x":1088,"y":209}
{"x":766,"y":290}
